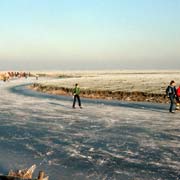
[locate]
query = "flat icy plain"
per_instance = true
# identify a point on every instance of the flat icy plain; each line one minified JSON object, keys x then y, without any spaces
{"x":105,"y":140}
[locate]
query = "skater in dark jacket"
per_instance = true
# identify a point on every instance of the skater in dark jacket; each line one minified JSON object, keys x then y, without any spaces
{"x":171,"y":94}
{"x":76,"y":93}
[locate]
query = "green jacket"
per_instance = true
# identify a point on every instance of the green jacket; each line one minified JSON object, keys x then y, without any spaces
{"x":76,"y":91}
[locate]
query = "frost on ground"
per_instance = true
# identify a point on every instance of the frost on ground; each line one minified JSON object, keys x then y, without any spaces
{"x":128,"y":81}
{"x":142,"y":86}
{"x":104,"y":140}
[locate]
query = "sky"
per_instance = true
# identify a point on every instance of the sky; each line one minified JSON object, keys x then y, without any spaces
{"x":89,"y":34}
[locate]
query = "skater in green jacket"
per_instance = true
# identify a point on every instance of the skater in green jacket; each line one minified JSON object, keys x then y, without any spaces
{"x":76,"y":93}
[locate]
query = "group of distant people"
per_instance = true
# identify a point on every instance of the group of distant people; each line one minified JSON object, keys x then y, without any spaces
{"x":18,"y":74}
{"x":10,"y":75}
{"x":173,"y":94}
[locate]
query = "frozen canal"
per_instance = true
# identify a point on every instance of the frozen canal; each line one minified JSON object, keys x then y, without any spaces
{"x":102,"y":141}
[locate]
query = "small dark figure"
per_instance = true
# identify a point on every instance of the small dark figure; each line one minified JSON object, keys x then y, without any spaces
{"x":171,"y":94}
{"x":37,"y":76}
{"x":76,"y":92}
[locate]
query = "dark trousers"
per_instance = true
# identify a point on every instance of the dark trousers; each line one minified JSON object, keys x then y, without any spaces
{"x":172,"y":103}
{"x":78,"y":98}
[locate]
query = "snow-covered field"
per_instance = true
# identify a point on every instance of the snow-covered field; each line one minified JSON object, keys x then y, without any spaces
{"x":143,"y":81}
{"x":105,"y":140}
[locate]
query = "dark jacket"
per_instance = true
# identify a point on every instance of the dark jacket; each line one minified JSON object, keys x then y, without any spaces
{"x":171,"y":91}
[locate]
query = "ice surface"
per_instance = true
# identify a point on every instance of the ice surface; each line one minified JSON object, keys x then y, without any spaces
{"x":104,"y":140}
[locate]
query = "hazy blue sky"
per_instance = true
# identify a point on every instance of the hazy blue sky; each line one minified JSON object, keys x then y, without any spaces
{"x":89,"y":34}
